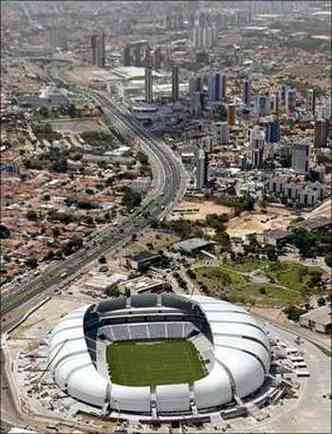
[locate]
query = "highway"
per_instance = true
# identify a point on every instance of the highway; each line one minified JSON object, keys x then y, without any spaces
{"x":169,"y":183}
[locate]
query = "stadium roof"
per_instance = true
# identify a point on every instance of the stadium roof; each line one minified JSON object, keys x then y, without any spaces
{"x":239,"y":355}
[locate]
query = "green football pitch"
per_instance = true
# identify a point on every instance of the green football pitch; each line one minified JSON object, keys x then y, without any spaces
{"x":151,"y":363}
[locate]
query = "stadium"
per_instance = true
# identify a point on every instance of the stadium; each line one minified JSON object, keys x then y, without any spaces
{"x":160,"y":356}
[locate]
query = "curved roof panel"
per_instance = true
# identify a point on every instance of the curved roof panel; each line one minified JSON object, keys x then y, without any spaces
{"x":110,"y":304}
{"x":241,"y":354}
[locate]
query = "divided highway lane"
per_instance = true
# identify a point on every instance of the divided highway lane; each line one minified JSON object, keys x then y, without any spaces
{"x":169,"y":185}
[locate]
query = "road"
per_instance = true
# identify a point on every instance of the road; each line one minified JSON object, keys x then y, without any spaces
{"x":169,"y":184}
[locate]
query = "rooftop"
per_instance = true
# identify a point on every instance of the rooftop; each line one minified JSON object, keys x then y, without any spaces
{"x":322,"y":315}
{"x":193,"y":244}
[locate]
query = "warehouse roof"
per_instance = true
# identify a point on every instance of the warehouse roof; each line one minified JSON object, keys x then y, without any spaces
{"x":192,"y":244}
{"x":322,"y":315}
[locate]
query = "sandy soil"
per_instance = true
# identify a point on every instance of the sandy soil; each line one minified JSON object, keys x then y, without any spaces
{"x":75,"y":127}
{"x":270,"y":312}
{"x":45,"y":318}
{"x":81,"y":74}
{"x":259,"y":222}
{"x":200,"y":210}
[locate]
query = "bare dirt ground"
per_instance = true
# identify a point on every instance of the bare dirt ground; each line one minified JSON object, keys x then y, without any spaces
{"x":200,"y":210}
{"x":259,"y":222}
{"x":158,"y":239}
{"x":324,"y":210}
{"x":81,"y":74}
{"x":270,"y":312}
{"x":76,"y":126}
{"x":45,"y":318}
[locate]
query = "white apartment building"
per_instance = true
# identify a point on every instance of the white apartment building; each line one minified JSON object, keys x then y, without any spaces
{"x":295,"y":190}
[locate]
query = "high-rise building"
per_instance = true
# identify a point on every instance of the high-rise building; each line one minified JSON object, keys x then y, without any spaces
{"x":231,"y":114}
{"x":311,"y":101}
{"x":301,"y":158}
{"x":321,"y":133}
{"x":262,"y":105}
{"x":58,"y":37}
{"x":195,"y":84}
{"x":290,"y":100}
{"x":204,"y":35}
{"x":148,"y":85}
{"x":257,"y":147}
{"x":148,"y":57}
{"x":201,"y":169}
{"x":282,"y":94}
{"x":98,"y":50}
{"x":272,"y":130}
{"x":222,"y":80}
{"x":175,"y":83}
{"x":222,"y":133}
{"x":275,"y":103}
{"x":94,"y":39}
{"x":196,"y":103}
{"x":327,"y":108}
{"x":157,"y":58}
{"x":126,"y":56}
{"x":212,"y":87}
{"x":197,"y":36}
{"x":246,"y":92}
{"x":138,"y":55}
{"x":216,"y":86}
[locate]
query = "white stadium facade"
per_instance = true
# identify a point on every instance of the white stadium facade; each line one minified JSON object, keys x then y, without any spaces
{"x":233,"y":345}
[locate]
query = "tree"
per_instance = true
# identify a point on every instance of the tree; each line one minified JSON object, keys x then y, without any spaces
{"x":56,"y":232}
{"x":32,"y":215}
{"x":142,"y":158}
{"x":60,"y":165}
{"x":88,"y":219}
{"x":216,"y":221}
{"x":102,"y":260}
{"x":224,"y":240}
{"x":293,"y":312}
{"x":131,"y":199}
{"x":102,"y":164}
{"x":73,"y":111}
{"x":31,"y":262}
{"x":48,"y":128}
{"x":44,"y":112}
{"x":321,"y":301}
{"x":271,"y":253}
{"x":306,"y":242}
{"x":328,"y":260}
{"x":72,"y":245}
{"x":315,"y":278}
{"x":4,"y":232}
{"x":113,"y":292}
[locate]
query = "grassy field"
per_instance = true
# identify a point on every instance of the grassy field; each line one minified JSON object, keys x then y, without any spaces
{"x":151,"y":363}
{"x":285,"y":282}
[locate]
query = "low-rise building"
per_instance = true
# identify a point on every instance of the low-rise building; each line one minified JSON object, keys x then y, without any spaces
{"x":142,"y":261}
{"x":274,"y":236}
{"x":140,"y":285}
{"x":319,"y":320}
{"x":194,"y":246}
